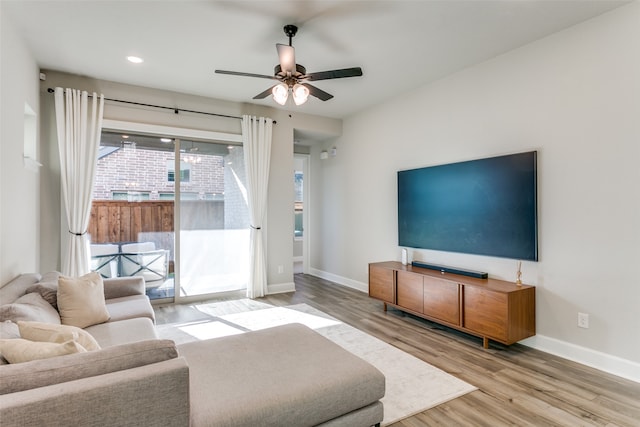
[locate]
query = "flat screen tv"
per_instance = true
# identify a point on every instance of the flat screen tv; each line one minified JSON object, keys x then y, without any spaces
{"x":483,"y":207}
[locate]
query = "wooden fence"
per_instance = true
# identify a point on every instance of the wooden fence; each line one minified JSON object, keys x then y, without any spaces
{"x":122,"y":221}
{"x":116,"y":221}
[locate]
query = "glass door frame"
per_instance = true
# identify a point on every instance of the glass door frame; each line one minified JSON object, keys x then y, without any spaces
{"x":178,"y":134}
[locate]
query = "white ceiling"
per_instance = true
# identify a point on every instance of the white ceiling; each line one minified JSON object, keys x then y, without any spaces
{"x":398,"y":44}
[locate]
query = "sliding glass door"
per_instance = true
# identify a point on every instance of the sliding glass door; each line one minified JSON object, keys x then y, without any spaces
{"x":173,"y":211}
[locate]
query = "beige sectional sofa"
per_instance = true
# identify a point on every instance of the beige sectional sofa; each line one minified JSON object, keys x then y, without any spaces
{"x":283,"y":376}
{"x":134,"y":379}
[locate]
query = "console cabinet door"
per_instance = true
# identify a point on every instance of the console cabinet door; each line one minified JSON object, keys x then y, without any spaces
{"x":410,"y":292}
{"x":486,"y":312}
{"x":381,"y":284}
{"x":442,"y":300}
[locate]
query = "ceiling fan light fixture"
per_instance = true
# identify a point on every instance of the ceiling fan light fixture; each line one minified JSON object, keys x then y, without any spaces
{"x":280,"y":93}
{"x":300,"y":94}
{"x":293,"y":77}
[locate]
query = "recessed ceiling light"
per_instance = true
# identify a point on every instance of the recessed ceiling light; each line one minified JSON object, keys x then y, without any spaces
{"x":135,"y":59}
{"x":165,"y":139}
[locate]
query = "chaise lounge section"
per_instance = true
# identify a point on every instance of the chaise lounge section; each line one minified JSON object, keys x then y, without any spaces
{"x":283,"y":376}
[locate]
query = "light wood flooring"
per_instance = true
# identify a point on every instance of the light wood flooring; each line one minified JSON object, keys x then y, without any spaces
{"x":516,"y":385}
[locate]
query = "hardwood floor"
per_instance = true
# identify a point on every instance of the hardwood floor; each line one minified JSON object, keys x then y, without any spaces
{"x":517,"y":385}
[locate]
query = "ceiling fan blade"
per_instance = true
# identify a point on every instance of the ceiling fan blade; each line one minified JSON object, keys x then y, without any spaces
{"x":334,"y":74}
{"x":287,"y":57}
{"x":237,"y":73}
{"x":318,"y":93}
{"x":263,"y":95}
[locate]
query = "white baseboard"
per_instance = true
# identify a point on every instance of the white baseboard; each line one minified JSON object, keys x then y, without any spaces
{"x":349,"y":283}
{"x":280,"y":288}
{"x":604,"y":362}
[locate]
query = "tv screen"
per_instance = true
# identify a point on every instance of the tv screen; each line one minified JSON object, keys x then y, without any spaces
{"x":483,"y":207}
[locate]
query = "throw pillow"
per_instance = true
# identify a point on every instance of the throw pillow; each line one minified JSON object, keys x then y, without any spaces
{"x":81,"y":300}
{"x":8,"y":330}
{"x":30,"y":307}
{"x":47,"y":287}
{"x":19,"y":350}
{"x":37,"y":331}
{"x":47,"y":290}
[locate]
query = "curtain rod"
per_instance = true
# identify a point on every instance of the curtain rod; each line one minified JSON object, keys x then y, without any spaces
{"x":175,"y":110}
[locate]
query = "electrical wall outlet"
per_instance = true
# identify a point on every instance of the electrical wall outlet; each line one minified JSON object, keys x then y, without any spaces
{"x":280,"y":269}
{"x":583,"y":320}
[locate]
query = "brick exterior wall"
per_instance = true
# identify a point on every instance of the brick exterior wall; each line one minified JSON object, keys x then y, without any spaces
{"x":220,"y":180}
{"x":146,"y":171}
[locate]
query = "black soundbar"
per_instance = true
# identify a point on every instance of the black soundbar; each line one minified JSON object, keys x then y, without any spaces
{"x":443,"y":269}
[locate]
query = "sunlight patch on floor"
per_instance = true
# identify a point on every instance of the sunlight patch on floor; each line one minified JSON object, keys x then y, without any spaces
{"x":239,"y":316}
{"x":206,"y":330}
{"x":276,"y":316}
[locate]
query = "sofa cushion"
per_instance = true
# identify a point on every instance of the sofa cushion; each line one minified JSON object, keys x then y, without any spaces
{"x":19,"y":350}
{"x":29,"y":307}
{"x":130,"y":307}
{"x":118,"y":287}
{"x":38,"y":331}
{"x":81,"y":300}
{"x":123,"y":331}
{"x":40,"y":373}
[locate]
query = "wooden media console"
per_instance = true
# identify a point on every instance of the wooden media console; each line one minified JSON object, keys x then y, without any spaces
{"x":488,"y":308}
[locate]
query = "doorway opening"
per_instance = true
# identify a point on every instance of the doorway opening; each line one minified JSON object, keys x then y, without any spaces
{"x":301,"y":214}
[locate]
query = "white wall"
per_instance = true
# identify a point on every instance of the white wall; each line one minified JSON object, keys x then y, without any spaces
{"x":574,"y":97}
{"x":19,"y":186}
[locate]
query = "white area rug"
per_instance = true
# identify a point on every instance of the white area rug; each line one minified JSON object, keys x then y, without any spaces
{"x":412,"y":386}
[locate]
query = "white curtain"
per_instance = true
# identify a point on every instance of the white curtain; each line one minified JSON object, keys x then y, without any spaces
{"x":256,"y":139}
{"x":79,"y":126}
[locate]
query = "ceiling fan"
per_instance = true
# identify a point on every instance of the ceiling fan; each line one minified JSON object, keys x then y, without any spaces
{"x":293,"y":77}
